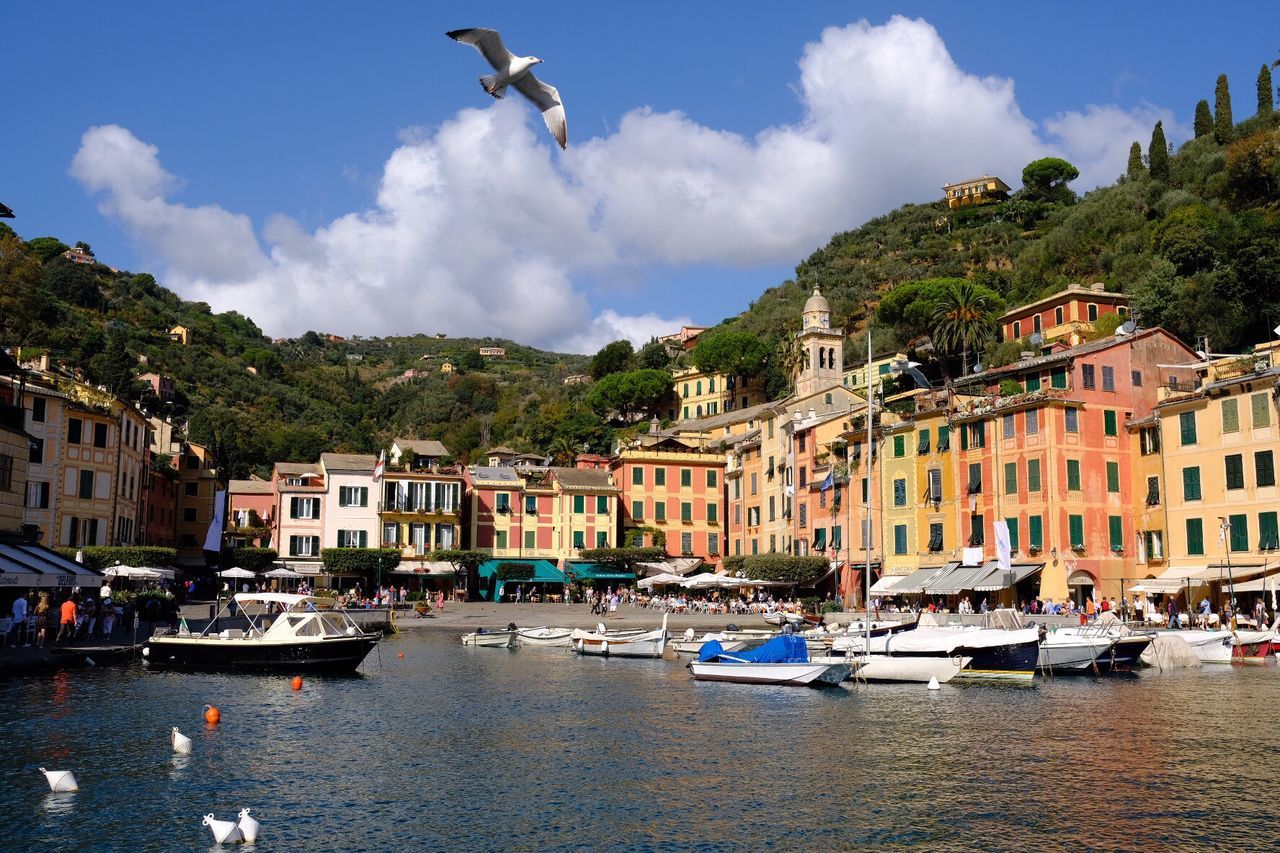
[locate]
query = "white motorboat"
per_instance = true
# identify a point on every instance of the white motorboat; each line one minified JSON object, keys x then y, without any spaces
{"x":544,"y":636}
{"x":781,"y":661}
{"x":1062,"y":652}
{"x":1209,"y":646}
{"x":1129,"y":644}
{"x":995,"y":653}
{"x":914,"y":670}
{"x":285,"y":632}
{"x":644,"y":644}
{"x":490,"y":639}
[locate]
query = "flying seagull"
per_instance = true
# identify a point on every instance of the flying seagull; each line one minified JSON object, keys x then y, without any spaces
{"x":514,"y":71}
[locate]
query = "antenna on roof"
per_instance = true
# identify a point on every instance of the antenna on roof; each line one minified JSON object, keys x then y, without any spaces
{"x":1036,"y":339}
{"x":1128,"y":327}
{"x":977,"y":367}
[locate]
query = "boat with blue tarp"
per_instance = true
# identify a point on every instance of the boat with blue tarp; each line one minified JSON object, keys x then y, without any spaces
{"x":782,"y":660}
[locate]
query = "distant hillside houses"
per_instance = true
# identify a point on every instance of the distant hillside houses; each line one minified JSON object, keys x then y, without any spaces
{"x":493,"y":352}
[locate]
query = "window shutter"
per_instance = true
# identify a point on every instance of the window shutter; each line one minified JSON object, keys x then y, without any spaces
{"x":1035,"y":531}
{"x":1073,"y":475}
{"x":1033,"y":475}
{"x":1195,"y":537}
{"x":1191,"y":484}
{"x":1264,"y":468}
{"x":1012,"y":524}
{"x":1076,"y":529}
{"x":1117,"y":532}
{"x":1235,"y":471}
{"x":1230,"y":415}
{"x":899,"y":492}
{"x":1239,"y":532}
{"x":1187,"y":426}
{"x":1268,"y":531}
{"x":1261,"y":414}
{"x":1113,"y":476}
{"x":293,"y":507}
{"x":1011,"y":478}
{"x":1109,"y":422}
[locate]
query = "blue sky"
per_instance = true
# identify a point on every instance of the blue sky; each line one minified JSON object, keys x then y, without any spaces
{"x":315,"y":165}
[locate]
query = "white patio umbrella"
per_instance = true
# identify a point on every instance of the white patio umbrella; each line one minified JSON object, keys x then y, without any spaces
{"x":134,"y":572}
{"x":282,"y":573}
{"x":705,"y":580}
{"x":659,"y":580}
{"x":237,"y":572}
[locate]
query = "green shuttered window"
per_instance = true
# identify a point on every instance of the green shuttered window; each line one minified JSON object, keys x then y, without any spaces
{"x":1035,"y":531}
{"x":1191,"y":483}
{"x":1239,"y":532}
{"x":1033,"y":475}
{"x":1187,"y":427}
{"x":1113,"y":477}
{"x":1073,"y":475}
{"x":1075,"y":527}
{"x":1116,"y":528}
{"x":1195,"y":537}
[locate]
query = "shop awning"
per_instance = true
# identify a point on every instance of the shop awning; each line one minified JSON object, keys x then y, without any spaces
{"x":544,"y":571}
{"x":26,"y":564}
{"x":914,"y":582}
{"x":1269,"y":583}
{"x":957,"y":580}
{"x":1221,"y":573}
{"x":438,"y":568}
{"x":886,"y":583}
{"x":596,"y":572}
{"x":997,"y":578}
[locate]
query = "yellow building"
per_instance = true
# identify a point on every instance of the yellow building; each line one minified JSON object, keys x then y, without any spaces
{"x":180,"y":334}
{"x":197,"y":487}
{"x":708,"y":394}
{"x":937,"y":497}
{"x":855,"y":378}
{"x":984,"y":190}
{"x":900,"y":497}
{"x":1219,"y":445}
{"x":15,"y":448}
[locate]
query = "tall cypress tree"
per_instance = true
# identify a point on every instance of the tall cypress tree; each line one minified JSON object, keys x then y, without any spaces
{"x":1265,"y":103}
{"x":1223,"y":125}
{"x":1204,"y":119}
{"x":1136,"y":169}
{"x":1158,"y":154}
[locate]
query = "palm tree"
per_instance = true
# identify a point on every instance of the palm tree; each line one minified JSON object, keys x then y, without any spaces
{"x":964,"y":319}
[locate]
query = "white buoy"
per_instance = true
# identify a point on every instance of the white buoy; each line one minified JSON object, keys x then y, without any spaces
{"x":224,"y":831}
{"x":248,"y":827}
{"x":60,"y":781}
{"x":181,"y":743}
{"x":933,"y":683}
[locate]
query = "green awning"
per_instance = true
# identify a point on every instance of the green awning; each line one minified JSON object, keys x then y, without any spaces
{"x":544,"y":571}
{"x":597,"y":572}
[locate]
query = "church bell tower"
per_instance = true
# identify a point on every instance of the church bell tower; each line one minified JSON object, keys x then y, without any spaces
{"x":821,"y":349}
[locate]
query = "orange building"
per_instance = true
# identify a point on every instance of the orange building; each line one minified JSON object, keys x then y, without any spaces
{"x":672,"y":492}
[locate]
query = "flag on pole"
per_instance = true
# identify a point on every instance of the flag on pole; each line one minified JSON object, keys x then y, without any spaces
{"x":213,"y":538}
{"x":1004,"y":553}
{"x":1223,"y":527}
{"x":381,"y":466}
{"x":829,"y":482}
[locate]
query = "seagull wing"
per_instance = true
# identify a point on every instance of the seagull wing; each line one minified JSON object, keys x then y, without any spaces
{"x":546,"y":98}
{"x":488,"y":42}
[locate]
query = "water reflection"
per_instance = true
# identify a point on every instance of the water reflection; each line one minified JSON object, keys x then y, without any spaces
{"x":535,"y":749}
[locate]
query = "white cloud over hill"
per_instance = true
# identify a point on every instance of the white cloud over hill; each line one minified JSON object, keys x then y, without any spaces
{"x":481,"y":229}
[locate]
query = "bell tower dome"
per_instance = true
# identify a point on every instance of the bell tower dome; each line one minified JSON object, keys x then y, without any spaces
{"x":821,"y":348}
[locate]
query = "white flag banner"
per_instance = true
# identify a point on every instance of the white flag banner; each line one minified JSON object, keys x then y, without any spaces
{"x":972,"y":557}
{"x":380,"y":467}
{"x":213,"y":539}
{"x":1223,"y":527}
{"x":1004,"y":554}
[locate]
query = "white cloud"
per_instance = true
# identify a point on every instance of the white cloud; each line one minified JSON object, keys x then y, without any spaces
{"x":476,"y":228}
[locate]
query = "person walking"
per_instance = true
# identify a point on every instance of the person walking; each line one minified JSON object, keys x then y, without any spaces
{"x":19,"y":623}
{"x":42,"y":619}
{"x":67,"y":621}
{"x":107,"y":617}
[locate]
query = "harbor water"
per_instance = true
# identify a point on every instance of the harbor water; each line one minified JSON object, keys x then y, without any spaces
{"x":535,"y":749}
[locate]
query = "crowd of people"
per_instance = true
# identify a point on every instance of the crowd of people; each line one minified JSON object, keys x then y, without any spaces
{"x":69,"y":618}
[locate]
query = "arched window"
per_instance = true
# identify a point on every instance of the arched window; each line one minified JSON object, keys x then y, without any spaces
{"x":699,"y":411}
{"x":699,"y":387}
{"x":831,"y":357}
{"x":822,"y":357}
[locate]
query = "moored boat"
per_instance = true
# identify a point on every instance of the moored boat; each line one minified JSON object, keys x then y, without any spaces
{"x":1125,"y":653}
{"x":544,"y":636}
{"x":489,"y":638}
{"x":1209,"y":646}
{"x":1065,"y":653}
{"x":285,"y":632}
{"x":1254,"y":646}
{"x":644,"y":644}
{"x":995,"y":653}
{"x":781,"y":661}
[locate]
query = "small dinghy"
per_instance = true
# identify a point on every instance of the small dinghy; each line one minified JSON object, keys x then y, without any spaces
{"x":544,"y":636}
{"x":629,"y":644}
{"x":781,"y":661}
{"x":491,"y":638}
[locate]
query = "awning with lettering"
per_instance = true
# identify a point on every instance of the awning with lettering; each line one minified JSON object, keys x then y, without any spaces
{"x":27,"y":564}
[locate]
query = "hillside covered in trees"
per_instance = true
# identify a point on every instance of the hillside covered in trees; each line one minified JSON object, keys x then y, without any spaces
{"x":1192,"y":235}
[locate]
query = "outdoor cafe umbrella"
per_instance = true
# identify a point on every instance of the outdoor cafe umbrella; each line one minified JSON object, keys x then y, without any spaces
{"x":134,"y":572}
{"x":283,"y":573}
{"x":237,"y":572}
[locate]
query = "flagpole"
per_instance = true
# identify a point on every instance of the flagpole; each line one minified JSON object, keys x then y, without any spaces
{"x":871,"y":456}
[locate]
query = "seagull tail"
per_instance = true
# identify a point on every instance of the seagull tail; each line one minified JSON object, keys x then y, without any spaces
{"x":490,"y":84}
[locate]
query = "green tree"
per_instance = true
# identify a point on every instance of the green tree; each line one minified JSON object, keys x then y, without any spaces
{"x":624,"y":559}
{"x":1046,"y":180}
{"x":46,"y":248}
{"x":653,"y":356}
{"x":1266,"y":97}
{"x":612,"y":358}
{"x":964,"y":320}
{"x":731,"y":353}
{"x":1204,"y":119}
{"x":114,"y":367}
{"x":1136,"y":168}
{"x":635,"y":392}
{"x":22,"y":305}
{"x":1223,"y":126}
{"x":1158,"y":153}
{"x":466,"y":564}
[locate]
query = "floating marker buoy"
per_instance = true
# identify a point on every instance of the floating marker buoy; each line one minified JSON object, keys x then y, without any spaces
{"x":88,"y":661}
{"x":212,"y":715}
{"x":60,"y":781}
{"x":224,"y":831}
{"x":933,"y":683}
{"x":248,"y":827}
{"x":401,"y":655}
{"x":181,"y":743}
{"x":297,"y":682}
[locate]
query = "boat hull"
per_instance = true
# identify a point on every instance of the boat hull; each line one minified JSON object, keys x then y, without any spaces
{"x":1209,"y":646}
{"x":620,"y":647}
{"x":692,"y":647}
{"x":490,"y":640}
{"x":339,"y":654}
{"x":1254,"y":646}
{"x":1071,"y":655}
{"x":920,"y":670}
{"x":560,"y":639}
{"x":782,"y":674}
{"x":1013,"y":662}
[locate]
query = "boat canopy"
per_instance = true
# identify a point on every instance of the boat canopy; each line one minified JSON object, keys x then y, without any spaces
{"x":788,"y":648}
{"x":288,"y":599}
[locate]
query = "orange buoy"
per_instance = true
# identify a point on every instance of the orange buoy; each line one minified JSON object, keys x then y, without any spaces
{"x":212,"y":715}
{"x":297,"y":682}
{"x":401,"y":654}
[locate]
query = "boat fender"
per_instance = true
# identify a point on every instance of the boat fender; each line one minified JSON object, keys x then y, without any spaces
{"x":604,"y":647}
{"x":248,"y":827}
{"x":181,"y":743}
{"x":933,"y":683}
